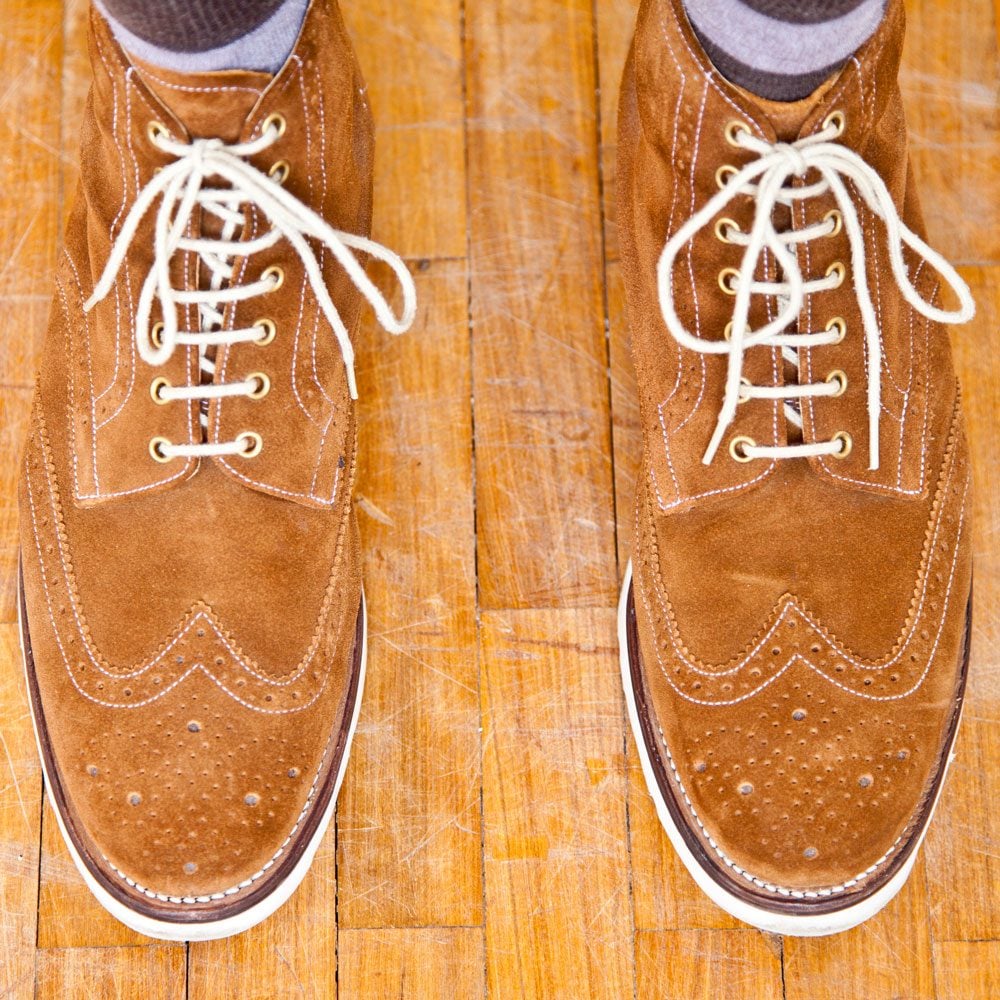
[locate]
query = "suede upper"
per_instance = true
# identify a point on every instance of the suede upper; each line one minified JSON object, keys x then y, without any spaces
{"x":192,"y":623}
{"x":801,"y":621}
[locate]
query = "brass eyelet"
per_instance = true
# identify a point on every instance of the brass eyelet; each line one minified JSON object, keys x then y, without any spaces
{"x":726,"y":276}
{"x":277,"y":276}
{"x":156,"y":446}
{"x":156,"y":335}
{"x":840,"y":377}
{"x":837,"y":120}
{"x":279,"y":171}
{"x":837,"y":325}
{"x":270,"y":330}
{"x":838,"y":221}
{"x":738,"y":446}
{"x":263,"y":385}
{"x":725,"y":174}
{"x":733,"y":129}
{"x":846,"y":444}
{"x":274,"y":120}
{"x":837,"y":268}
{"x":254,"y":443}
{"x":156,"y":388}
{"x":722,"y":229}
{"x":746,"y":383}
{"x":155,"y":131}
{"x":727,"y":333}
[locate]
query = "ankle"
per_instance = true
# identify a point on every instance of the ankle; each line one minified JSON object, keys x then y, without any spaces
{"x":782,"y":50}
{"x":209,"y":36}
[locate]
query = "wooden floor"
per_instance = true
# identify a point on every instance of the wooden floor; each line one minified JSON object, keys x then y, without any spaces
{"x":494,"y":835}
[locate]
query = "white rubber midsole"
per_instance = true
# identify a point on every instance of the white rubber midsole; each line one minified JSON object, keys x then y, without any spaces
{"x":167,"y":930}
{"x":795,"y":925}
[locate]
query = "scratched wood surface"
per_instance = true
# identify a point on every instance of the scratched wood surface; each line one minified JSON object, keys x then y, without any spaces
{"x":494,"y":837}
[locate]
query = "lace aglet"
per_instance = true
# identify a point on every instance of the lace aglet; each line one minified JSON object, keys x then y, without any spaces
{"x":352,"y":384}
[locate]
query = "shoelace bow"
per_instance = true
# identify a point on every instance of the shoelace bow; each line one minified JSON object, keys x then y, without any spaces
{"x":182,"y":188}
{"x":765,"y":179}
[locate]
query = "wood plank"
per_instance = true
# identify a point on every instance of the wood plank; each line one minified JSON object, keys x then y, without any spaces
{"x":543,"y":470}
{"x":15,"y":407}
{"x":20,"y":820}
{"x":31,"y":55}
{"x":950,"y":77}
{"x":291,"y":954}
{"x":962,"y":862}
{"x":967,"y":970}
{"x":706,"y":965}
{"x":409,"y":819}
{"x":615,"y":24}
{"x":411,"y":54}
{"x":155,"y":972}
{"x":68,"y":914}
{"x":559,"y":918}
{"x":888,"y":956}
{"x":963,"y":866}
{"x":432,"y":963}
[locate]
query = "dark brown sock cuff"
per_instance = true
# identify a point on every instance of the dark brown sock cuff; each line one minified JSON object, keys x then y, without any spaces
{"x":772,"y":86}
{"x":190,"y":25}
{"x":803,"y":11}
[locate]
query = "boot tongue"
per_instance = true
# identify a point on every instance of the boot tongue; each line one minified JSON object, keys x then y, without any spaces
{"x":788,"y":117}
{"x":209,"y":105}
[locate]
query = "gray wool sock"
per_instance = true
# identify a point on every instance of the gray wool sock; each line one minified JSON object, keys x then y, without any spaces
{"x":782,"y":49}
{"x":202,"y":36}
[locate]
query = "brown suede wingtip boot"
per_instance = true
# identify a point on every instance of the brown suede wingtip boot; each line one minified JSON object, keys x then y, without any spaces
{"x":192,"y":613}
{"x":795,"y":635}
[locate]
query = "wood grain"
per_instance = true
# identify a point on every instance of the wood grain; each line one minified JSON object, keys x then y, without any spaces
{"x":408,"y":821}
{"x":544,"y":518}
{"x":887,"y":956}
{"x":615,"y":22}
{"x":559,"y":914}
{"x":292,"y":954}
{"x":411,"y":54}
{"x":31,"y":57}
{"x":15,"y":407}
{"x":20,"y":818}
{"x":433,"y":963}
{"x":967,"y":970}
{"x":950,"y":79}
{"x":707,"y":965}
{"x":963,"y":864}
{"x":494,"y":835}
{"x":68,"y":914}
{"x":153,"y":973}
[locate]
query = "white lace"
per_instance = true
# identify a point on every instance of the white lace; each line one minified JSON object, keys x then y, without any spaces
{"x":765,"y":180}
{"x":182,"y":188}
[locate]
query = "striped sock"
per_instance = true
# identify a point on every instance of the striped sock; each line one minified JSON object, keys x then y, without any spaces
{"x":207,"y":35}
{"x":782,"y":49}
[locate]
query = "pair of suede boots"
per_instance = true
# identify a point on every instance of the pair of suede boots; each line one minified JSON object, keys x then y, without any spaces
{"x":794,"y":633}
